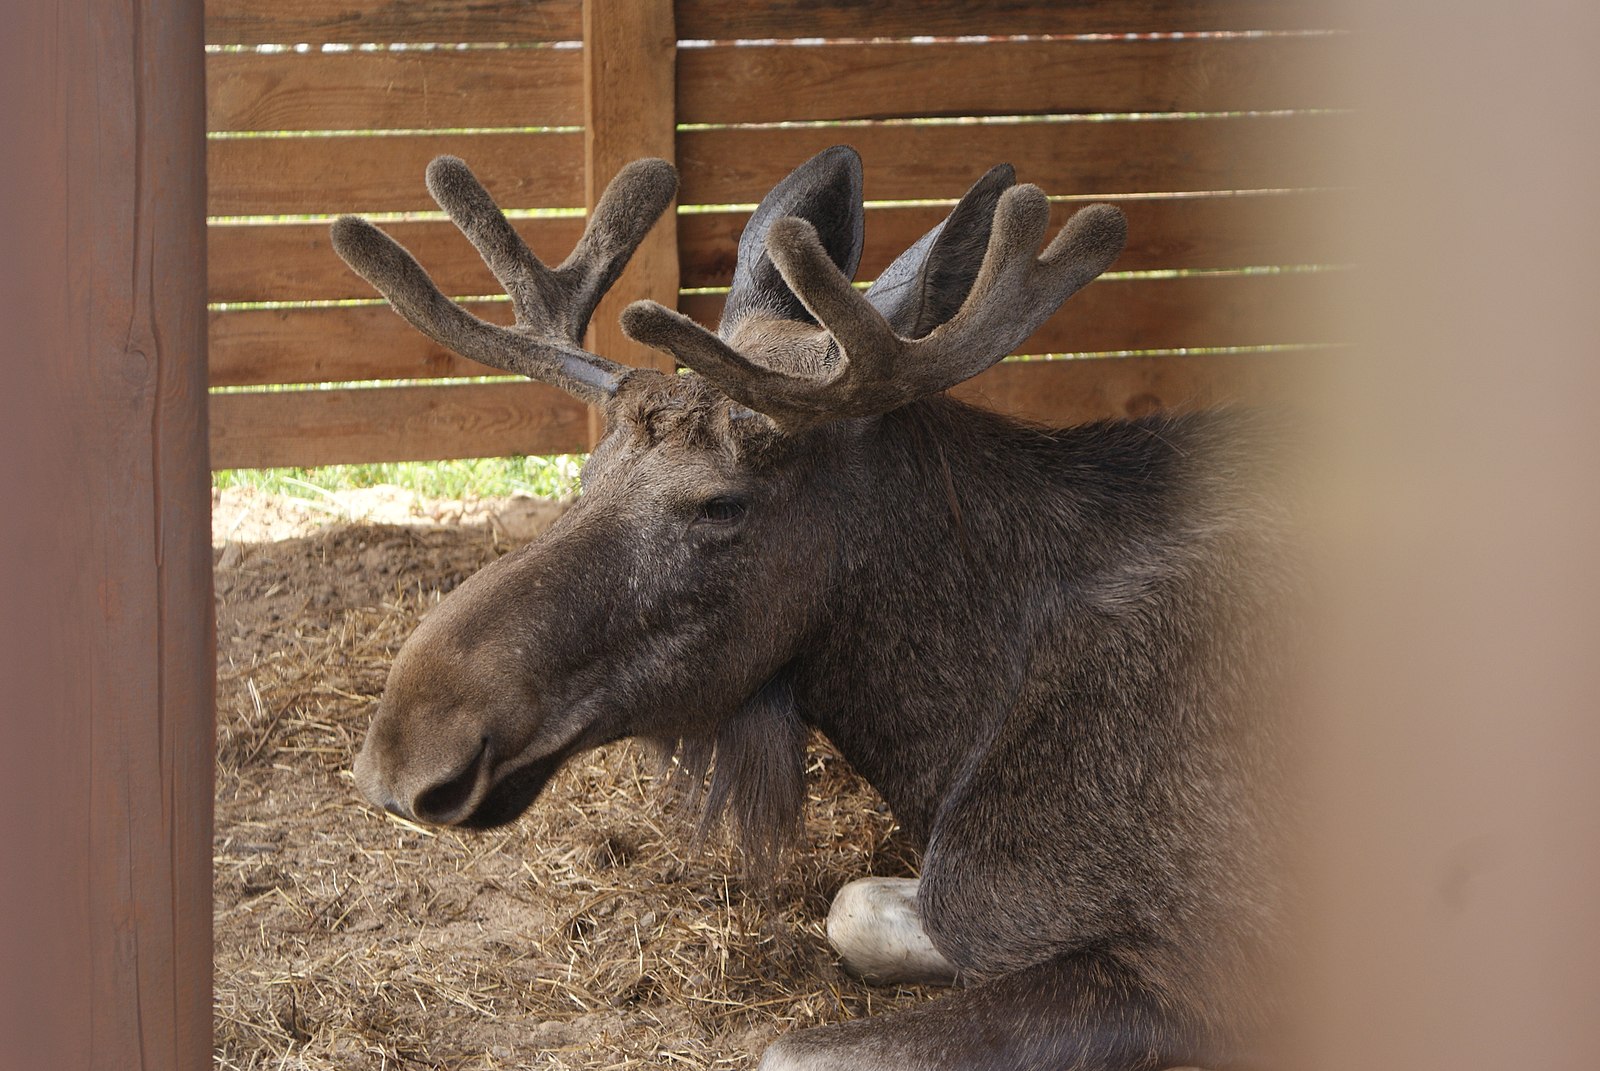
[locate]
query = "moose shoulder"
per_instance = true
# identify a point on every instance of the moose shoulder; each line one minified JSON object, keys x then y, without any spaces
{"x":1049,"y":649}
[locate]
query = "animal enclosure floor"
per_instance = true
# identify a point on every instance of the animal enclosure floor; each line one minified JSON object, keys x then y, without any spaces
{"x":590,"y":934}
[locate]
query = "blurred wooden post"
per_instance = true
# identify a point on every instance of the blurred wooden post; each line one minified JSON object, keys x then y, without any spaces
{"x":106,"y":656}
{"x":630,"y":111}
{"x":1454,"y":855}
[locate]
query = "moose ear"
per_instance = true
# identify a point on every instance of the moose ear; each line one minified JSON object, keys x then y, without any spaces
{"x":927,"y":284}
{"x":825,"y":191}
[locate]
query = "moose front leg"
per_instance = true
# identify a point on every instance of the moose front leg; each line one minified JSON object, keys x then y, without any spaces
{"x":1084,"y":1011}
{"x":876,"y":928}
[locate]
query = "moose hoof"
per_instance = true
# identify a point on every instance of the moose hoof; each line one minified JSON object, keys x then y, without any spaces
{"x":875,"y":928}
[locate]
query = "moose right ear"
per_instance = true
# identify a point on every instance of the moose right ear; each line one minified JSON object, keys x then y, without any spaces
{"x":825,"y":191}
{"x":927,"y":284}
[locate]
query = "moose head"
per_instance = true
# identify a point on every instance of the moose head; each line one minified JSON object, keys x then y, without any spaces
{"x":712,"y":538}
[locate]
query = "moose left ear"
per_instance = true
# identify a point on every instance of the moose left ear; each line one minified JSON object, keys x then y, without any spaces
{"x":825,"y":191}
{"x":926,"y":284}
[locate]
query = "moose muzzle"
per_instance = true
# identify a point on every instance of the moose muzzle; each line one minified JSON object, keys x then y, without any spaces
{"x":443,"y":794}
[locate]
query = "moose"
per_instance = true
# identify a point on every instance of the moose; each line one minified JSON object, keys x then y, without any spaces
{"x":1045,"y":647}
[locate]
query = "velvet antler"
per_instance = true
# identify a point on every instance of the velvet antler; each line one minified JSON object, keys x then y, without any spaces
{"x":867,"y":367}
{"x":552,"y":306}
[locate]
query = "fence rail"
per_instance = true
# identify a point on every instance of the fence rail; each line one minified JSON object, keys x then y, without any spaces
{"x":1193,"y":116}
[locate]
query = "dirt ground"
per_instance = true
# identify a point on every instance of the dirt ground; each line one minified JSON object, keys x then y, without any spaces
{"x":590,"y":934}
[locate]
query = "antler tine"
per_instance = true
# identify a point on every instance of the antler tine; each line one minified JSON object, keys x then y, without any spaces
{"x":395,"y":274}
{"x":783,"y":397}
{"x":521,"y":274}
{"x":878,"y":370}
{"x":1018,"y":289}
{"x":552,"y":306}
{"x":629,"y":207}
{"x":1015,"y":291}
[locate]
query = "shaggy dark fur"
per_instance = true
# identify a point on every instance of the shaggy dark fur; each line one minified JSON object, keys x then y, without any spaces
{"x":749,"y":772}
{"x":1050,"y":650}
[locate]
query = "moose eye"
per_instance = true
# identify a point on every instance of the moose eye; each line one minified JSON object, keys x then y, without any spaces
{"x":720,"y":510}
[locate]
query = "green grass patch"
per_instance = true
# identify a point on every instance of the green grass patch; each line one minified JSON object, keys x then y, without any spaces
{"x":484,"y":477}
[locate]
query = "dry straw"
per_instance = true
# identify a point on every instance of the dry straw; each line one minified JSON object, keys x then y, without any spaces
{"x":593,"y":933}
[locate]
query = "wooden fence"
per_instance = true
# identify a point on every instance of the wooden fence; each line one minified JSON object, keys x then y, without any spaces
{"x":1195,"y":116}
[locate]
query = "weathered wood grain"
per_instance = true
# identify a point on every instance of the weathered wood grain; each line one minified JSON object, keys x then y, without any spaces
{"x":251,"y":22}
{"x":106,"y":654}
{"x":1185,"y":312}
{"x":1062,"y":393}
{"x":771,"y":83}
{"x":369,"y":342}
{"x":913,"y":161}
{"x":1232,"y":231}
{"x":265,"y":176}
{"x":323,"y":427}
{"x":630,"y":112}
{"x":293,"y":262}
{"x":726,"y":20}
{"x":448,"y":88}
{"x":875,"y":80}
{"x":256,"y":347}
{"x":483,"y":420}
{"x":383,"y":173}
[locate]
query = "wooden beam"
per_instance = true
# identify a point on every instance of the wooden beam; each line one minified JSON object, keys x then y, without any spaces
{"x":444,"y":88}
{"x":1064,"y":393}
{"x":630,"y":111}
{"x":326,"y":427}
{"x":357,"y":173}
{"x":293,"y":262}
{"x":904,"y":79}
{"x":106,"y":655}
{"x":729,"y":20}
{"x":255,"y":347}
{"x":1235,"y":231}
{"x":287,"y":22}
{"x":1184,"y":312}
{"x":738,"y":165}
{"x":321,"y":427}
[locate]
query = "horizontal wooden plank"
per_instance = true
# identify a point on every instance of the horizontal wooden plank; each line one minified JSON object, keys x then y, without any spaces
{"x":325,"y":427}
{"x":253,"y":347}
{"x":1183,"y":312}
{"x":384,"y":173}
{"x":314,"y":175}
{"x":320,"y":427}
{"x":293,"y":262}
{"x":874,"y":80}
{"x":445,"y":88}
{"x":252,"y":22}
{"x":727,"y":20}
{"x":905,"y":161}
{"x":1062,"y":393}
{"x":335,"y":344}
{"x":1232,"y":231}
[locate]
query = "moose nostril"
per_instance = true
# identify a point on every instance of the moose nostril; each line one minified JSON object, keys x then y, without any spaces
{"x":443,"y":801}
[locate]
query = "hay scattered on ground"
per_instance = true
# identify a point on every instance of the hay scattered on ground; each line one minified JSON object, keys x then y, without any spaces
{"x":590,"y":934}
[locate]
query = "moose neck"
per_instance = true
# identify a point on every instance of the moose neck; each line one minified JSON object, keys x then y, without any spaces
{"x":962,"y":553}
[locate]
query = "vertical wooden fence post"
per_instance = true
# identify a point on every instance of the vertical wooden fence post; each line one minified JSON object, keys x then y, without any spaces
{"x":630,"y":111}
{"x":106,"y":654}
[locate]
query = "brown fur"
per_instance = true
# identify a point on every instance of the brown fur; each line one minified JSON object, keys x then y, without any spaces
{"x":1049,"y":650}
